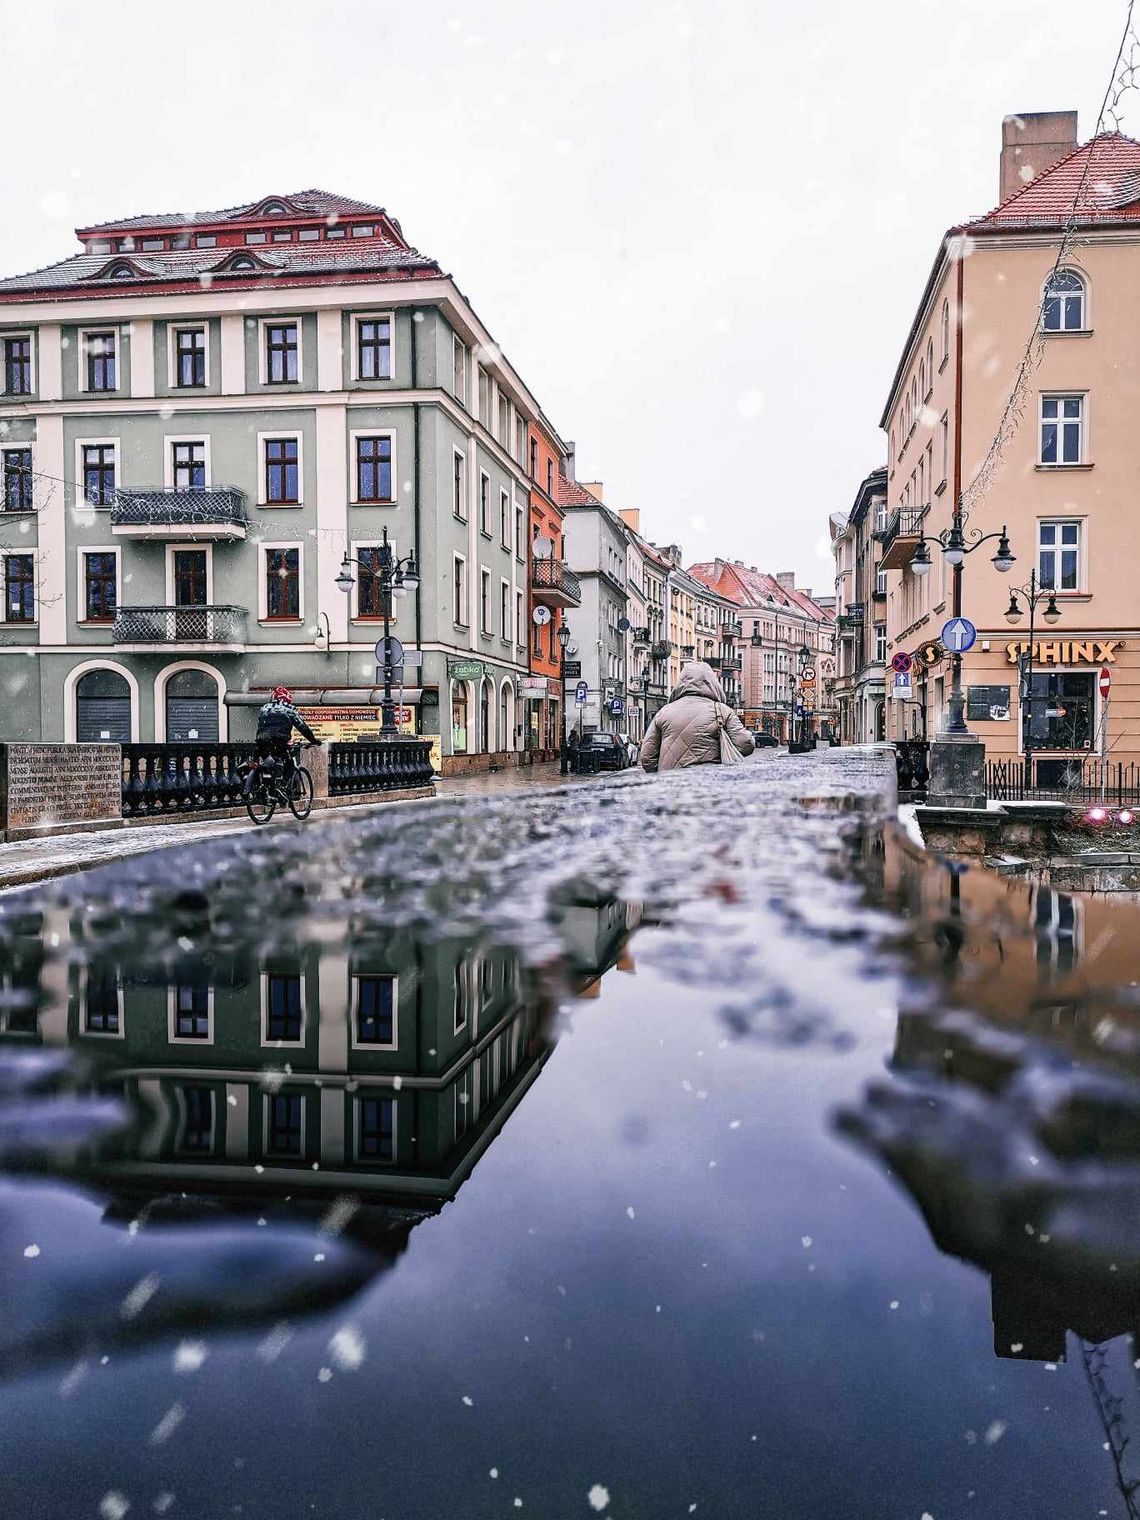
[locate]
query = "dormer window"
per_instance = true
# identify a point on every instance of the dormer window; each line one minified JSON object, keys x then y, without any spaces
{"x":103,"y":247}
{"x":118,"y":271}
{"x":334,"y":232}
{"x":255,"y":237}
{"x":283,"y":237}
{"x":153,"y":245}
{"x":365,"y":229}
{"x":274,"y":208}
{"x":242,"y":264}
{"x":309,"y":234}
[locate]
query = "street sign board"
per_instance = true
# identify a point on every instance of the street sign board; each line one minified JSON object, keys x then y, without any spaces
{"x":412,"y":659}
{"x":533,"y":686}
{"x":902,"y":683}
{"x":581,"y":693}
{"x":1104,"y":680}
{"x":958,"y":635}
{"x":572,"y":669}
{"x":807,"y":677}
{"x":901,"y":662}
{"x":464,"y":670}
{"x":617,"y":707}
{"x":395,"y":651}
{"x":624,"y":624}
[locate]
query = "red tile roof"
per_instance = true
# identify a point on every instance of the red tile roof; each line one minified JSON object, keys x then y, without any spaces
{"x":568,"y":493}
{"x":1100,"y":179}
{"x":301,"y":204}
{"x":753,"y":588}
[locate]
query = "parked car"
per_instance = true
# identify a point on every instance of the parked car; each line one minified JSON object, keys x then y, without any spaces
{"x":765,"y":740}
{"x":602,"y":752}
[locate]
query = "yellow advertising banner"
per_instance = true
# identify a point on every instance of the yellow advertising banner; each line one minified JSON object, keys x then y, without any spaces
{"x":344,"y":724}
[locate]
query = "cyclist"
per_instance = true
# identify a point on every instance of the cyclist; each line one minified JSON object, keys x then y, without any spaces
{"x":275,"y":724}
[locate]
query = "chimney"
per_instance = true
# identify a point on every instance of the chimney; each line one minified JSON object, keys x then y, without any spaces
{"x":1031,"y":144}
{"x":595,"y":488}
{"x":631,"y":516}
{"x":569,"y":463}
{"x":754,"y":570}
{"x":719,"y":566}
{"x":786,"y":580}
{"x":739,"y":563}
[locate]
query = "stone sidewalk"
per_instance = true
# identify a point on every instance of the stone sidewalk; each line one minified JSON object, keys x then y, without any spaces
{"x":34,"y":860}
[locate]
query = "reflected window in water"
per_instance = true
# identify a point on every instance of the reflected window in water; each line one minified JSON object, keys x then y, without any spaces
{"x":463,"y":1113}
{"x":196,"y":1121}
{"x":460,"y":996}
{"x":376,"y":1129}
{"x":283,"y":1007}
{"x":191,"y":1007}
{"x":102,"y":1001}
{"x":374,"y":1010}
{"x":285,"y":1125}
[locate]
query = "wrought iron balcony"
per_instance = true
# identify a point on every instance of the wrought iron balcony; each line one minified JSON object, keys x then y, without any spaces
{"x":215,"y":626}
{"x":661,"y":650}
{"x":555,"y":584}
{"x":640,"y":638}
{"x":731,"y":629}
{"x":688,"y":651}
{"x":850,"y":623}
{"x":714,"y":662}
{"x":218,"y":513}
{"x":900,"y":537}
{"x":731,"y":666}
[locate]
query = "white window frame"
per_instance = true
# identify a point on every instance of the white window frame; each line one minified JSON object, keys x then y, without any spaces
{"x":266,"y":1100}
{"x":1060,"y":422}
{"x":197,"y":547}
{"x":273,"y":436}
{"x":1077,"y":274}
{"x":172,"y":329}
{"x":15,"y":551}
{"x":461,"y":376}
{"x":461,"y":616}
{"x":384,"y":1097}
{"x":880,"y":642}
{"x":180,"y":1125}
{"x":485,"y":602}
{"x":31,"y":334}
{"x":263,"y":588}
{"x":91,"y":443}
{"x":10,"y":446}
{"x":505,"y":606}
{"x":100,"y":1034}
{"x":506,"y":519}
{"x":358,"y":1044}
{"x":520,"y":619}
{"x":168,"y":442}
{"x":83,"y":334}
{"x":289,"y":319}
{"x":373,"y":432}
{"x":172,"y":1018}
{"x":283,"y":1044}
{"x":354,"y":335}
{"x":461,"y":512}
{"x":944,"y":445}
{"x":1062,"y":522}
{"x":81,"y":552}
{"x":484,"y":479}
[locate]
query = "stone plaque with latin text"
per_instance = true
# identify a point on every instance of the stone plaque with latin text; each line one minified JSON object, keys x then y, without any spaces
{"x":46,"y":786}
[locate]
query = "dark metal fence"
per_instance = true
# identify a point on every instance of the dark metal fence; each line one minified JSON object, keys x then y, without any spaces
{"x":384,"y":766}
{"x":181,"y":778}
{"x":179,"y":625}
{"x":1048,"y":779}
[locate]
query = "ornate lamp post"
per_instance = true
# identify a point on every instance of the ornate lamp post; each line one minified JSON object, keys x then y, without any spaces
{"x":563,"y":637}
{"x":1033,"y":594}
{"x":395,"y":577}
{"x":954,"y":550}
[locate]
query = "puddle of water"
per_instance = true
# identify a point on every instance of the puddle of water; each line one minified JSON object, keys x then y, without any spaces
{"x":402,"y":1191}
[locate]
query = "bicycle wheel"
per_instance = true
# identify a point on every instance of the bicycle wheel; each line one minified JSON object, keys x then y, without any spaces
{"x":301,"y":794}
{"x":260,"y":800}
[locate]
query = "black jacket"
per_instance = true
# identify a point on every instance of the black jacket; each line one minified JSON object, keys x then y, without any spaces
{"x":278,"y":719}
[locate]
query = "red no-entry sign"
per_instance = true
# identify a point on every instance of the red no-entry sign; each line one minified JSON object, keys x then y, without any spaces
{"x":1105,"y":680}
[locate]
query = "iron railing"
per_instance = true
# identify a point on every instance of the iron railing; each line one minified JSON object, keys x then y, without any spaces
{"x":904,"y":522}
{"x":179,"y":625}
{"x":382,"y":765}
{"x":554,"y":575}
{"x":220,"y":505}
{"x":182,"y":778}
{"x":732,"y":665}
{"x":732,"y":629}
{"x":1059,"y":779}
{"x":640,"y":637}
{"x":661,"y":650}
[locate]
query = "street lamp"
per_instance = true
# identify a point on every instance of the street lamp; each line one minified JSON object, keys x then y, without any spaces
{"x":563,"y":637}
{"x":956,"y":542}
{"x":395,"y":577}
{"x":1033,"y":594}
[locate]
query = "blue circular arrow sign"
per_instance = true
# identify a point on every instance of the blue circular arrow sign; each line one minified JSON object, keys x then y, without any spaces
{"x":958,"y":635}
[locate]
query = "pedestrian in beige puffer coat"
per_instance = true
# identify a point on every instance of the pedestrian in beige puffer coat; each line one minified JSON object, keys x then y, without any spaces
{"x":686,"y":730}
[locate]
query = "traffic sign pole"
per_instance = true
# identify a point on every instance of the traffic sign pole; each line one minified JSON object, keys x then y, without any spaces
{"x":1104,"y":685}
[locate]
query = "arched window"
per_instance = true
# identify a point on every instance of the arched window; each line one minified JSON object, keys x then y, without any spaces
{"x":192,"y":708}
{"x":1063,"y":305}
{"x":929,"y":368}
{"x":102,"y":708}
{"x":922,"y":377}
{"x":459,"y":717}
{"x":945,"y":330}
{"x":505,"y":735}
{"x":485,"y":711}
{"x":242,"y":263}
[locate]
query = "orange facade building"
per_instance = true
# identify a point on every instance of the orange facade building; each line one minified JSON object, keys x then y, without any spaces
{"x":552,"y":587}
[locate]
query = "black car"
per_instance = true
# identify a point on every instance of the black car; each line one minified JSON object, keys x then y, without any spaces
{"x":602,"y":752}
{"x":765,"y":741}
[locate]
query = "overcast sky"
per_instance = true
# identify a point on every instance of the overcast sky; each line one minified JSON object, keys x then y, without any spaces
{"x":698,"y":230}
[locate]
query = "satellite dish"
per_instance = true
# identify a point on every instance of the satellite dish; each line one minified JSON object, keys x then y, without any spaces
{"x":543,"y":548}
{"x":541,"y":616}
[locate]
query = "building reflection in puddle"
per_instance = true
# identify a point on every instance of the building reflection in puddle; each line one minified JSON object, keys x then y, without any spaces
{"x":1011,"y":1113}
{"x":348,"y":1084}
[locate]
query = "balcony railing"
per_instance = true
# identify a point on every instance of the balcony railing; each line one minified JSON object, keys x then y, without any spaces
{"x":899,"y":537}
{"x":661,"y":650}
{"x":218,"y":513}
{"x":555,"y":583}
{"x":180,"y":625}
{"x":849,"y":622}
{"x":732,"y":629}
{"x":731,"y":666}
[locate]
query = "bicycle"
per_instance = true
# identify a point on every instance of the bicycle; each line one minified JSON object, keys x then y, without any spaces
{"x":266,"y":789}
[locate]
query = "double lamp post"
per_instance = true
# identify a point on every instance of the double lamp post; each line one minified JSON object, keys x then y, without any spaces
{"x":392,"y":576}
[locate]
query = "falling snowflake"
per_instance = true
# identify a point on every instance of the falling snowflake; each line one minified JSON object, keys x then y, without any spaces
{"x":189,"y":1356}
{"x":599,"y":1497}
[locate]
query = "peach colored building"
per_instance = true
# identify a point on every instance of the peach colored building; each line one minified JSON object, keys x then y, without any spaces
{"x":1029,"y":336}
